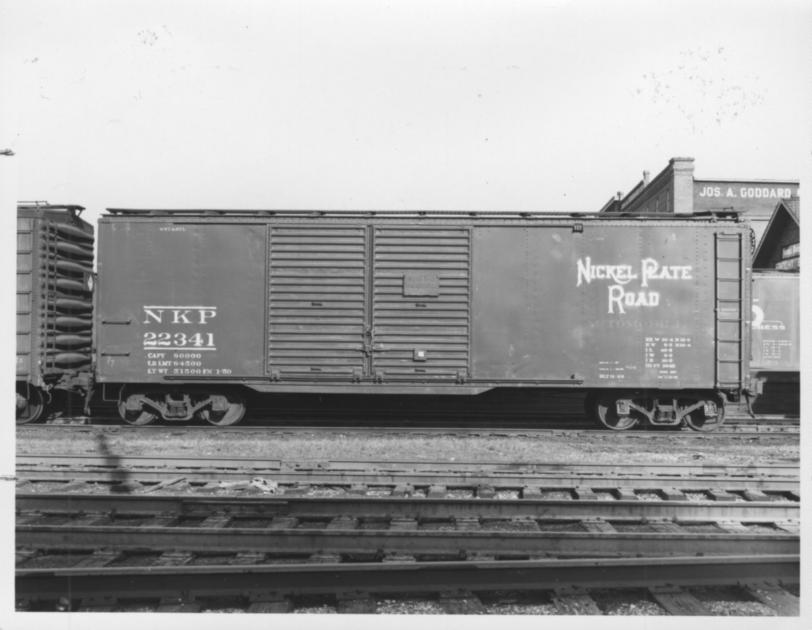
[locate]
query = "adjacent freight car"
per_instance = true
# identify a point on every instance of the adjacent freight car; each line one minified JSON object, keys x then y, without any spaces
{"x":197,"y":309}
{"x":54,"y":306}
{"x":776,"y":355}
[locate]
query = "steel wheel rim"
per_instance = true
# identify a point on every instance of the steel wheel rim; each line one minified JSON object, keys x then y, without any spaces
{"x":32,"y":411}
{"x":234,"y":413}
{"x":608,"y":417}
{"x":703,"y":423}
{"x":136,"y":418}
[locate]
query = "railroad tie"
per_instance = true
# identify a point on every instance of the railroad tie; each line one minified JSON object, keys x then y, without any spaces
{"x":79,"y":484}
{"x":402,"y":490}
{"x":343,"y":522}
{"x":772,"y":595}
{"x":525,"y":524}
{"x":394,"y":556}
{"x":356,"y":603}
{"x":575,"y":601}
{"x":401,"y":524}
{"x":485,"y":491}
{"x":585,"y":493}
{"x":479,"y":556}
{"x":626,"y":494}
{"x":87,"y":519}
{"x":175,"y":604}
{"x":734,"y":527}
{"x":23,"y":555}
{"x":663,"y":526}
{"x":533,"y":493}
{"x":129,"y":486}
{"x":283,"y":522}
{"x":721,"y":495}
{"x":164,"y":519}
{"x":249,"y":557}
{"x":755,"y":495}
{"x":672,"y":494}
{"x":173,"y":559}
{"x":271,"y":604}
{"x":99,"y":558}
{"x":598,"y":525}
{"x":461,"y":603}
{"x":324,"y":558}
{"x":28,"y":517}
{"x":215,"y":521}
{"x":437,"y":492}
{"x":97,"y":604}
{"x":677,"y":601}
{"x":793,"y":527}
{"x":467,"y":523}
{"x":164,"y":484}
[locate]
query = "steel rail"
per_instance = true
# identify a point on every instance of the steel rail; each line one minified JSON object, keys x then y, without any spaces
{"x":693,"y":470}
{"x":436,"y":542}
{"x":264,"y":582}
{"x":453,"y":474}
{"x":530,"y":427}
{"x":405,"y":507}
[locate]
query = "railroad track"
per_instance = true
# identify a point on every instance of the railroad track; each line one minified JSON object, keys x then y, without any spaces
{"x":352,"y":532}
{"x":462,"y":587}
{"x":139,"y":473}
{"x":352,"y":526}
{"x":733,"y":429}
{"x":96,"y":552}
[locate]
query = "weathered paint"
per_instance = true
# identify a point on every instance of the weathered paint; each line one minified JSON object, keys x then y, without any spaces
{"x":181,"y":300}
{"x":619,"y":305}
{"x":776,"y":322}
{"x":464,"y":301}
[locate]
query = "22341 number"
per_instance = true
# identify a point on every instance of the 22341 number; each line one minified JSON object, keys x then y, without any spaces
{"x":178,"y":340}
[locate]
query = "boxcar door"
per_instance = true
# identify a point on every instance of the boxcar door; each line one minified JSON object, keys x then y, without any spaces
{"x":421,"y":303}
{"x":317,"y":304}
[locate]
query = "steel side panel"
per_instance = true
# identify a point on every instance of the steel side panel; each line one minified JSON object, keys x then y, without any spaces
{"x":776,"y":322}
{"x":317,"y":297}
{"x":547,"y":307}
{"x":421,"y":303}
{"x":181,"y":300}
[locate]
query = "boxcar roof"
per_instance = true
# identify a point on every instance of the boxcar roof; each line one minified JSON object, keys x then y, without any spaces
{"x":409,"y":214}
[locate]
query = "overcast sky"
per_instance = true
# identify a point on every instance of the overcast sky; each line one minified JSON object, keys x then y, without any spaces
{"x":472,"y":105}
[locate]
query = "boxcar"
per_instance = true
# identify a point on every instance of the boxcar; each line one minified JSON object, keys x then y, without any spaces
{"x":776,"y":362}
{"x":54,"y":305}
{"x":649,"y":315}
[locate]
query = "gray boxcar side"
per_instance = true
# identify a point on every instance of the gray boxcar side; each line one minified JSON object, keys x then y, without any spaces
{"x":389,"y":303}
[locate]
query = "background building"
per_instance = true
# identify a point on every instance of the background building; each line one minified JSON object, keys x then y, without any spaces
{"x":675,"y":190}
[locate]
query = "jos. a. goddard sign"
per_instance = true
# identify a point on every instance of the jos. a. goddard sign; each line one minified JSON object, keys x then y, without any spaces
{"x":754,"y":197}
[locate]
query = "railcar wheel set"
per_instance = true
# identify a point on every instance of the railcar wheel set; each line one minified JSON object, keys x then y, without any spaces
{"x":193,"y":313}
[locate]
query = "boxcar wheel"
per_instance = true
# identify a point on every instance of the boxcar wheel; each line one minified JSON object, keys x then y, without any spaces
{"x":223,"y":415}
{"x":606,"y":412}
{"x":698,"y":421}
{"x":30,"y":408}
{"x":136,"y":416}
